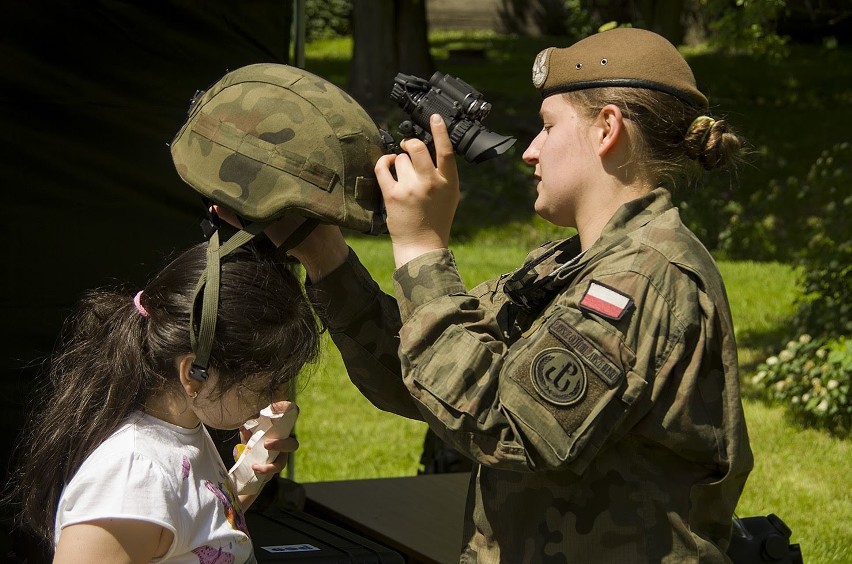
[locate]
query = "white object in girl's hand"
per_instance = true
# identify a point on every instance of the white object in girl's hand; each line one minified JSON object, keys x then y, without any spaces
{"x":269,"y":425}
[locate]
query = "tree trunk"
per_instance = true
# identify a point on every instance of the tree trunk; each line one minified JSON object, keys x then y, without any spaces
{"x":664,"y":17}
{"x":374,"y":57}
{"x":389,"y":36}
{"x":413,"y":38}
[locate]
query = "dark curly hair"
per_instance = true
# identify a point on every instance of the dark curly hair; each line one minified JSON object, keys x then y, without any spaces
{"x":112,"y":359}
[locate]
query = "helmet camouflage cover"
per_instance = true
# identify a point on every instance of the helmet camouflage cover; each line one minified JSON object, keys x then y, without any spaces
{"x":268,"y":139}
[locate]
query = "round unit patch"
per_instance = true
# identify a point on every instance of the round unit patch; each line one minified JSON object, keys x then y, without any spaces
{"x":559,"y":376}
{"x":539,"y":70}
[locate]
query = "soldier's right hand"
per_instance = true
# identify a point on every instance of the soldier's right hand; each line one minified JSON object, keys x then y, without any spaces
{"x":322,"y":251}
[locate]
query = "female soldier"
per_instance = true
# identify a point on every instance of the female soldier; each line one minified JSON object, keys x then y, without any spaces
{"x":595,"y":387}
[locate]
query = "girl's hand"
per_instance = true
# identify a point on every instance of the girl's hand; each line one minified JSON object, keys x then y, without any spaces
{"x":266,"y":472}
{"x":421,"y":201}
{"x":283,"y":446}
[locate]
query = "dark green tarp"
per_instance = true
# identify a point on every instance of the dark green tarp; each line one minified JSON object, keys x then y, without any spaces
{"x":91,"y":92}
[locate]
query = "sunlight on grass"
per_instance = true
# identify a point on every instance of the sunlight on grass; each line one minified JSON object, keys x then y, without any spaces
{"x":344,"y":437}
{"x":803,"y":477}
{"x":762,"y":298}
{"x":337,"y":48}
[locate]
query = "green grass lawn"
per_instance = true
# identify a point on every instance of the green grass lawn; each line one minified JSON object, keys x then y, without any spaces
{"x":800,"y":475}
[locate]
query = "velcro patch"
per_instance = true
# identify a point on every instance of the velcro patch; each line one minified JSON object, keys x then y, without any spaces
{"x":596,"y":360}
{"x":558,"y":376}
{"x":605,"y":301}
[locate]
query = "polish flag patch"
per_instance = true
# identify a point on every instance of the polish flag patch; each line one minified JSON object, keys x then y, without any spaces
{"x":605,"y":301}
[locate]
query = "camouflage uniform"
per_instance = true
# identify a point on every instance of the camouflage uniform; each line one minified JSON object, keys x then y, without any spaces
{"x":604,"y":431}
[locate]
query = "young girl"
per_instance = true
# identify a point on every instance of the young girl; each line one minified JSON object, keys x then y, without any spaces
{"x":595,"y":387}
{"x":117,"y":465}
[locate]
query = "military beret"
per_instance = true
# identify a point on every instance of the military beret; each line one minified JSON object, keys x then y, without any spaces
{"x":629,"y":57}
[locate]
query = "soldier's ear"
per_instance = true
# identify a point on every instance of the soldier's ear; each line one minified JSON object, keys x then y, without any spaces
{"x":608,"y":129}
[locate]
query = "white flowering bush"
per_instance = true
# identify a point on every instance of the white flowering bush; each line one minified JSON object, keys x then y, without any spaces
{"x":811,"y":375}
{"x":813,"y":378}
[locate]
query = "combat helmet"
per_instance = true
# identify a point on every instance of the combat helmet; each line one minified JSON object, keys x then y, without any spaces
{"x":270,"y":138}
{"x":267,"y":140}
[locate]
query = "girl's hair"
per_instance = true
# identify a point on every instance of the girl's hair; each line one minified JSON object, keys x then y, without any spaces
{"x":112,"y":359}
{"x":668,"y":135}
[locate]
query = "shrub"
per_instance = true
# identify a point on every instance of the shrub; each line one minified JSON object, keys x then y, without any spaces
{"x":325,"y":19}
{"x":826,"y":257}
{"x":813,"y":378}
{"x":801,"y":219}
{"x":812,"y":374}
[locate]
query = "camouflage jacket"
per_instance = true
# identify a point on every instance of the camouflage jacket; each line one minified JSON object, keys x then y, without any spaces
{"x":597,"y":392}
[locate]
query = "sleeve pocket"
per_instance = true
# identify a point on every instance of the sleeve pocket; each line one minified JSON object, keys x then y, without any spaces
{"x":572,"y":387}
{"x":455,"y":371}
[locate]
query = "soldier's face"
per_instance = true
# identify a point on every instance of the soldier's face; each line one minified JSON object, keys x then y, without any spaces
{"x":562,"y":155}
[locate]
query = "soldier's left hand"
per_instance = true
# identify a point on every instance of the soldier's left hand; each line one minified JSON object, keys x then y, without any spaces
{"x":421,"y":200}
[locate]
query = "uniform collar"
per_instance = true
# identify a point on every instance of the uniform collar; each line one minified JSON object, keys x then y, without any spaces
{"x":548,"y":269}
{"x":631,"y":216}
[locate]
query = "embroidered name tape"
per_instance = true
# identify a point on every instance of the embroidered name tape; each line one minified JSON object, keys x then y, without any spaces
{"x":608,"y":371}
{"x":605,"y":301}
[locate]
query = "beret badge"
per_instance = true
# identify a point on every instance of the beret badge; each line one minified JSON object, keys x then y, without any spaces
{"x":539,"y":69}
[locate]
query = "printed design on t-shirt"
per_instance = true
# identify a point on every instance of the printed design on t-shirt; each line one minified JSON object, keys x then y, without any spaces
{"x":210,"y":555}
{"x":233,"y":512}
{"x":184,"y":470}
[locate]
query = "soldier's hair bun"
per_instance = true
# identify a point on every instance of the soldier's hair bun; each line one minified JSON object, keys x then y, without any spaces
{"x":711,"y":143}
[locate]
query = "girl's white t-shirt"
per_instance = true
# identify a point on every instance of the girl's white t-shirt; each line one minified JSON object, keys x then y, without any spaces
{"x":154,"y":471}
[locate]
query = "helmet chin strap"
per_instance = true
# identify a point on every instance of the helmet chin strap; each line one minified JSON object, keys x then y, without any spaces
{"x":299,"y":234}
{"x":207,"y":290}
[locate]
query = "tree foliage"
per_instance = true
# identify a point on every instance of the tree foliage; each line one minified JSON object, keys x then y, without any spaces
{"x":746,"y":26}
{"x":325,"y":19}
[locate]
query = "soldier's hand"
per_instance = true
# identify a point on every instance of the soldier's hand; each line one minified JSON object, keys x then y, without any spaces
{"x":322,"y":251}
{"x":421,"y":200}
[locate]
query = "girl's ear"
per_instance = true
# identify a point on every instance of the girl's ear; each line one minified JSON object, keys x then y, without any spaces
{"x":184,"y":365}
{"x":609,"y":128}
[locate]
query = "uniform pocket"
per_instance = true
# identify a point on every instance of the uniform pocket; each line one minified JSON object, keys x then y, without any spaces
{"x":577,"y":382}
{"x":456,"y":371}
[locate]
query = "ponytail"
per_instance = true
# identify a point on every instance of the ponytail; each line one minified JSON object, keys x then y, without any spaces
{"x":709,"y":142}
{"x":97,"y":378}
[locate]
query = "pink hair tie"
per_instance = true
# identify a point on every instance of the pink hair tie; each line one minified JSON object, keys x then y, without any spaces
{"x":137,"y":301}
